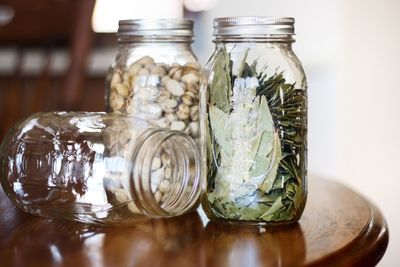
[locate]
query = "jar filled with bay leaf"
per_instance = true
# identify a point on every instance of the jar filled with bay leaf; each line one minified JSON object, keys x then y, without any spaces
{"x":255,"y":122}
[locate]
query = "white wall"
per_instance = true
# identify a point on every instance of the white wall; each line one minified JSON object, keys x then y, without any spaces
{"x":351,"y":54}
{"x":316,"y":45}
{"x":369,"y":109}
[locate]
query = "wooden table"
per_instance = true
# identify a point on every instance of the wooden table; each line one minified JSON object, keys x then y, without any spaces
{"x":338,"y":228}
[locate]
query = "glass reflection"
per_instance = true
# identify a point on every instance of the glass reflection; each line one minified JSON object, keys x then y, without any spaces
{"x":228,"y":245}
{"x":162,"y":242}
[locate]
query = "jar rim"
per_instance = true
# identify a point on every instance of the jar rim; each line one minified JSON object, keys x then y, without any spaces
{"x":178,"y":201}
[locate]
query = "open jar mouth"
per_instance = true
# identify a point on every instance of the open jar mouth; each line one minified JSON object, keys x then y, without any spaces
{"x":173,"y":188}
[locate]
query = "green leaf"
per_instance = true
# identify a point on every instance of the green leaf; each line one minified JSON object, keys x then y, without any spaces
{"x":212,"y":155}
{"x":262,"y":159}
{"x":243,"y":63}
{"x":256,"y":140}
{"x":281,"y":180}
{"x":272,"y":171}
{"x":249,"y":213}
{"x":264,"y":117}
{"x":218,"y":119}
{"x":220,"y":88}
{"x":274,"y":208}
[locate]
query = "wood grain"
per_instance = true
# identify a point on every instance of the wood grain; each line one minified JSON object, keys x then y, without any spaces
{"x":338,"y":228}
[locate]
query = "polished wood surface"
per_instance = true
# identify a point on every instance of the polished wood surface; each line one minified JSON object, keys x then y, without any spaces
{"x":338,"y":228}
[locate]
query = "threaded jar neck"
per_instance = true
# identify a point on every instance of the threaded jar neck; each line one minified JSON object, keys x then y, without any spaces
{"x":166,"y":175}
{"x":155,"y":30}
{"x":254,"y":29}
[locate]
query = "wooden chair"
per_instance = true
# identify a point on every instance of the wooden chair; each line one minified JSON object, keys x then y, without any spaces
{"x":45,"y":24}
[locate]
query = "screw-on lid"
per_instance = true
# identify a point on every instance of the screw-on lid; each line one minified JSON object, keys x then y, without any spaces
{"x":260,"y":26}
{"x":149,"y":27}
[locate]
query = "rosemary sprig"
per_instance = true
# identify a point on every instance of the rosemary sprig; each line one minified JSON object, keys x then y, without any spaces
{"x":288,"y":108}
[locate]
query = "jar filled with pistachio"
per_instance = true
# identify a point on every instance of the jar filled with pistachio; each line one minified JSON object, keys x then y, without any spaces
{"x":98,"y":168}
{"x":155,"y":75}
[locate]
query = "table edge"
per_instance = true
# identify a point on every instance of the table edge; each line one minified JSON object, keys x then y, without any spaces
{"x":372,"y":240}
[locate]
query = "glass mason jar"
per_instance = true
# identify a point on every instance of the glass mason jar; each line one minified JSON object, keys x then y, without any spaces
{"x":155,"y":74}
{"x":99,"y":168}
{"x":254,"y":106}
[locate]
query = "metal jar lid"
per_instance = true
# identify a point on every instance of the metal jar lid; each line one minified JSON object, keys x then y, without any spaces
{"x":154,"y":27}
{"x":257,"y":26}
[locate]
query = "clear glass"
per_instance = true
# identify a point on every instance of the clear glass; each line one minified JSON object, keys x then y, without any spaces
{"x":156,"y":78}
{"x":254,"y":115}
{"x":99,"y":168}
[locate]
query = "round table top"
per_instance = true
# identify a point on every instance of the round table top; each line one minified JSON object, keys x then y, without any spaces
{"x":338,"y":228}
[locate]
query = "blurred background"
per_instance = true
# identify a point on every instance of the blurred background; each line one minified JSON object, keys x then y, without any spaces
{"x":54,"y":55}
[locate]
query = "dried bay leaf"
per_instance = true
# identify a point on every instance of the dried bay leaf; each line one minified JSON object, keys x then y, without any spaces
{"x":266,"y":130}
{"x":274,"y":208}
{"x":218,"y":118}
{"x":220,"y":88}
{"x":272,"y":171}
{"x":243,"y":62}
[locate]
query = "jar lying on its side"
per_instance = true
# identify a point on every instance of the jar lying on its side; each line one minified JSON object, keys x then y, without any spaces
{"x":256,"y":123}
{"x":99,"y":168}
{"x":155,"y":74}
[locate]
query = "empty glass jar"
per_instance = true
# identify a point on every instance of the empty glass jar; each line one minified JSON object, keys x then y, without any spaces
{"x":99,"y":168}
{"x":155,"y":74}
{"x":256,"y":123}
